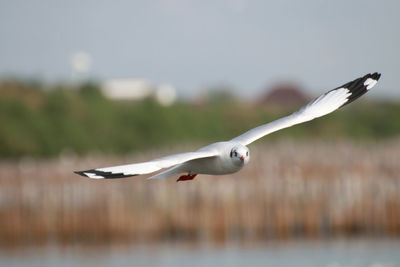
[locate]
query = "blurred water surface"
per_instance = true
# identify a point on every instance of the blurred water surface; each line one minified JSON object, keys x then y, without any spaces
{"x":330,"y":253}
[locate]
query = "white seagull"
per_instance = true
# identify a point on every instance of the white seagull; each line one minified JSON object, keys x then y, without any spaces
{"x":231,"y":156}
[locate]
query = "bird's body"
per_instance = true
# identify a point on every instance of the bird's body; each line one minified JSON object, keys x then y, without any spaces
{"x":231,"y":156}
{"x":219,"y":164}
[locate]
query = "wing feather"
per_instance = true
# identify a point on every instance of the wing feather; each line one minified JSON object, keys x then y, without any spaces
{"x":129,"y":170}
{"x":325,"y":104}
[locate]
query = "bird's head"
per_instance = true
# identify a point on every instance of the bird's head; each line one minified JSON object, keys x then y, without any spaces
{"x":240,"y":155}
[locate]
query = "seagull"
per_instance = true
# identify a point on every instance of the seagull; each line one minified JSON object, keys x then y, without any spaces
{"x":231,"y":156}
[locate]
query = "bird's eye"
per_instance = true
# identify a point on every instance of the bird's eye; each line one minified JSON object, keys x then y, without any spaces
{"x":235,"y":154}
{"x":247,"y":153}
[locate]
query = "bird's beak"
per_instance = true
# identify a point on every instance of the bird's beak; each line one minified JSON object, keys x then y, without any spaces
{"x":242,"y":158}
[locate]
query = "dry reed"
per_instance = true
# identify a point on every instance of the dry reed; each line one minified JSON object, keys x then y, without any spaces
{"x":289,"y":189}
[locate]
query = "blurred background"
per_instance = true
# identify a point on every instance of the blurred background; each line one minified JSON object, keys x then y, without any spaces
{"x":86,"y":84}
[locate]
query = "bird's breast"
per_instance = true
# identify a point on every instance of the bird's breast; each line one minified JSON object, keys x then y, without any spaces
{"x":214,"y":165}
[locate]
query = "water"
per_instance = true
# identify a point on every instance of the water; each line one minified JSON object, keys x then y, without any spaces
{"x":334,"y":253}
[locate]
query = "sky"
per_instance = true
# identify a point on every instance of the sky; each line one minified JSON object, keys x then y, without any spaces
{"x":194,"y":45}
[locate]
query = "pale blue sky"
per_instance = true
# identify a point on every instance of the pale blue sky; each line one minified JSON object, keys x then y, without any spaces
{"x":192,"y":44}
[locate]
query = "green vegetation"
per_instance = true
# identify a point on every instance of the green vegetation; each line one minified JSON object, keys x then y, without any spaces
{"x":40,"y":121}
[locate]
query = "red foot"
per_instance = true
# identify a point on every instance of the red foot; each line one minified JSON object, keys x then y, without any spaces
{"x":186,"y":177}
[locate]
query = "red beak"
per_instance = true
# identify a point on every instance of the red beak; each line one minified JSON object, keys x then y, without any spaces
{"x":242,"y":158}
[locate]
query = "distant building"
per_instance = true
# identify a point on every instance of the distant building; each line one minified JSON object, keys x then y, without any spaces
{"x":127,"y":89}
{"x":138,"y":89}
{"x":284,"y":94}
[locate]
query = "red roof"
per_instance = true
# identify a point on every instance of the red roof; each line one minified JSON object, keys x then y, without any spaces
{"x":284,"y":94}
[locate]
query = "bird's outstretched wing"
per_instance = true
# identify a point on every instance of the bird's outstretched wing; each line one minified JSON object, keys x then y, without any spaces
{"x":320,"y":106}
{"x":146,"y":167}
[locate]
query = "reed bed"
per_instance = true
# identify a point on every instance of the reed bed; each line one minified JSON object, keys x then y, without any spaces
{"x":288,"y":190}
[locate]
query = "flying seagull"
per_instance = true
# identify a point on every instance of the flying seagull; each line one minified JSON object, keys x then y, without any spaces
{"x":231,"y":156}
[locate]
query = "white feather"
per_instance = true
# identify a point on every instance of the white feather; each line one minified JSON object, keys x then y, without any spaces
{"x":150,"y":166}
{"x":370,"y":83}
{"x":320,"y":106}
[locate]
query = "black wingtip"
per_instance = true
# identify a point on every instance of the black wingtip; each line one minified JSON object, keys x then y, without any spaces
{"x":81,"y":173}
{"x":375,"y":76}
{"x":101,"y":174}
{"x":359,"y":87}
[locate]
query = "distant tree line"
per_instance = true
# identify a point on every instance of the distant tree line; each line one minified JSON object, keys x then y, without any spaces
{"x":40,"y":121}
